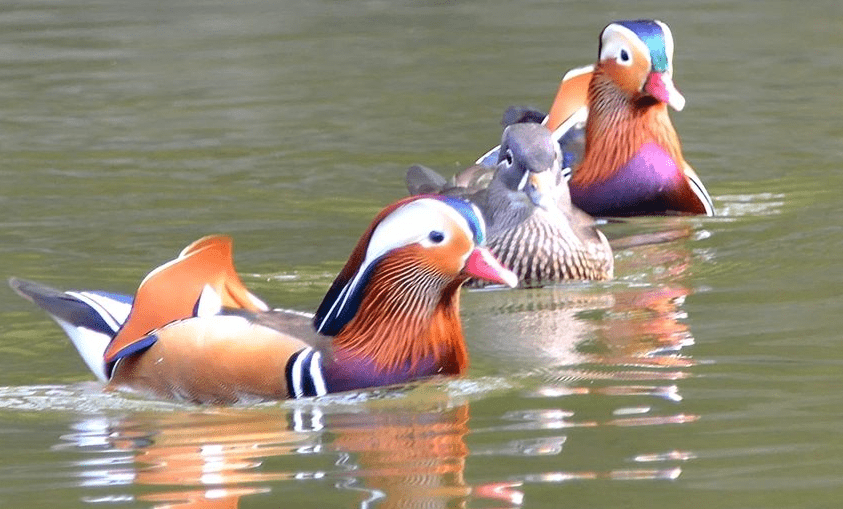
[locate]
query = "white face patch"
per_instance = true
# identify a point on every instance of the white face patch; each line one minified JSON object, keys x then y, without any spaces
{"x":618,"y":41}
{"x":411,"y":223}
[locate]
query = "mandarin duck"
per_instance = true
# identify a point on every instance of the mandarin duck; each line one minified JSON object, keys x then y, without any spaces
{"x":612,"y":122}
{"x":532,"y":227}
{"x":193,"y":332}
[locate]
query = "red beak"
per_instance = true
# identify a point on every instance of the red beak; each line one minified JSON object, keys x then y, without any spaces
{"x":482,"y":265}
{"x":660,"y":86}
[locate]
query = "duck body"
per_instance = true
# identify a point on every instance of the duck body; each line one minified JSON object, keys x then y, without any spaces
{"x":533,"y":228}
{"x":647,"y":184}
{"x":218,"y":359}
{"x":611,"y":120}
{"x":193,"y":332}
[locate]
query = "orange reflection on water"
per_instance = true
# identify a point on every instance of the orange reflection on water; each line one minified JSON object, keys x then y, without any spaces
{"x":410,"y":456}
{"x":219,"y":448}
{"x":411,"y":452}
{"x":211,"y":459}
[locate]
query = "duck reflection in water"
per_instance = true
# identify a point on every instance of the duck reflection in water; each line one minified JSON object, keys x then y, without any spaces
{"x":402,"y":447}
{"x":213,"y":458}
{"x":635,"y":328}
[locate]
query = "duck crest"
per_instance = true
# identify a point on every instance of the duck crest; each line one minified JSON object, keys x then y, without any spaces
{"x":652,"y":34}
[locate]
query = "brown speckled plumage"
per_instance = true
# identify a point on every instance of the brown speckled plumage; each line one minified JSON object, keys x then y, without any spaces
{"x":532,"y":227}
{"x":541,"y":250}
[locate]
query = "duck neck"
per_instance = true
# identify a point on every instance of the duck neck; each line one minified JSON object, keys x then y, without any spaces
{"x":617,"y":126}
{"x":407,"y":325}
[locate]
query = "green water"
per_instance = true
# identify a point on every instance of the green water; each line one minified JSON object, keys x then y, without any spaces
{"x":707,"y":374}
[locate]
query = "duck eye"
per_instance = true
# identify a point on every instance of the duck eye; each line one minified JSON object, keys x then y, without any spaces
{"x":436,"y":236}
{"x":624,"y":56}
{"x":508,"y":157}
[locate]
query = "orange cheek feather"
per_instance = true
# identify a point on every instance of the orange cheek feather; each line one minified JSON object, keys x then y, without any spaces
{"x":448,"y":258}
{"x":628,"y":79}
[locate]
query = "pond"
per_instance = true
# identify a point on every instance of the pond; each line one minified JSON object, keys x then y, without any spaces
{"x":706,"y":374}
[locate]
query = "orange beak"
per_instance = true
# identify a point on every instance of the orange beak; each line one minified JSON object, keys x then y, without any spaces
{"x":482,"y":265}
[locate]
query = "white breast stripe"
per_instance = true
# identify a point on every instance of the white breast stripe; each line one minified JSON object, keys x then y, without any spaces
{"x":316,"y":374}
{"x":296,"y":372}
{"x":699,"y":189}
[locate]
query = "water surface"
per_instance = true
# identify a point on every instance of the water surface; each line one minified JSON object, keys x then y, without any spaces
{"x":706,"y":374}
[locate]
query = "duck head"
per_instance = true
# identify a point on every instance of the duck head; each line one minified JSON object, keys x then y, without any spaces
{"x":528,"y":176}
{"x":396,"y":302}
{"x":638,"y":57}
{"x":633,"y":162}
{"x":533,"y":227}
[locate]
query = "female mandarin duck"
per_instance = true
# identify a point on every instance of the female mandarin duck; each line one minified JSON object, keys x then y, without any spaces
{"x":533,"y":228}
{"x":630,"y":161}
{"x":193,"y":332}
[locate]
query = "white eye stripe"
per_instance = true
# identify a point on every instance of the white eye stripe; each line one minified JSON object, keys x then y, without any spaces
{"x":410,"y":223}
{"x":617,"y":38}
{"x":625,"y":58}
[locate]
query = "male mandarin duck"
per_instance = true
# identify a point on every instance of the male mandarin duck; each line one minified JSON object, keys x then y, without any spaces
{"x":612,"y":122}
{"x":193,"y":332}
{"x":532,"y":227}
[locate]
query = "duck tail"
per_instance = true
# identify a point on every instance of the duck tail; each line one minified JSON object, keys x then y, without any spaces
{"x":90,"y":318}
